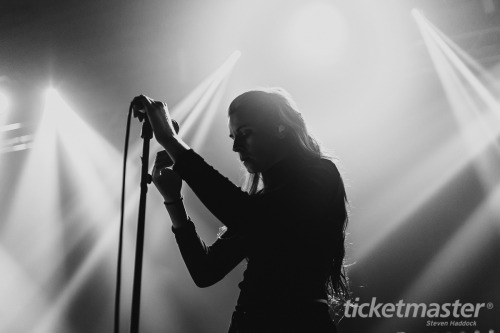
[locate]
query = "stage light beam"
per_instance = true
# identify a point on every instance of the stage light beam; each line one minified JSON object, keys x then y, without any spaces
{"x":192,"y":109}
{"x":31,"y":231}
{"x":471,"y":100}
{"x":93,"y":185}
{"x":90,"y":159}
{"x":4,"y":106}
{"x":476,"y":109}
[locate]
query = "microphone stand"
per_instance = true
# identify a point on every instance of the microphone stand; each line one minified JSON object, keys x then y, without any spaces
{"x":147,"y":135}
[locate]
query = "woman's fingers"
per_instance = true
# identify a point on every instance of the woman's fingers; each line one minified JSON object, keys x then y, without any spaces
{"x":158,"y":116}
{"x":145,"y":102}
{"x":163,"y":159}
{"x":159,"y":171}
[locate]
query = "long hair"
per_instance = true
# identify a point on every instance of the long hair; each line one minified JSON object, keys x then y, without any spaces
{"x":281,"y":109}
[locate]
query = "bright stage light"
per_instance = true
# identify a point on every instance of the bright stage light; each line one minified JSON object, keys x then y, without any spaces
{"x":208,"y":104}
{"x":82,"y":210}
{"x":471,"y":238}
{"x":56,"y":109}
{"x":470,"y":96}
{"x":318,"y":34}
{"x":475,"y":108}
{"x":32,"y":235}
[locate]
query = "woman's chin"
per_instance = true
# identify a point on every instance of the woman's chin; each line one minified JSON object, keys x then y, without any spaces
{"x":249,"y":166}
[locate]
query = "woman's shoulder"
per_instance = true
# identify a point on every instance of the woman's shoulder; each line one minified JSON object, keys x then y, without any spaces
{"x":321,"y":166}
{"x":317,"y":172}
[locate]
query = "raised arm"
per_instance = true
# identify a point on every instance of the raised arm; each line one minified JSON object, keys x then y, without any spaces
{"x":307,"y":198}
{"x":207,"y":264}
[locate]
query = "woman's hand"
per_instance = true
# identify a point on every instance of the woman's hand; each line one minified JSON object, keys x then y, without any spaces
{"x":163,"y":129}
{"x":159,"y":118}
{"x":167,"y":182}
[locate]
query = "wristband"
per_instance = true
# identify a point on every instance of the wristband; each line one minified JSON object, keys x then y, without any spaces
{"x":173,"y":202}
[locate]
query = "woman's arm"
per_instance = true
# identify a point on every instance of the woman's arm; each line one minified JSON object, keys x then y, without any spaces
{"x":177,"y":213}
{"x":227,"y":202}
{"x":303,"y":199}
{"x":207,"y":264}
{"x":224,"y":209}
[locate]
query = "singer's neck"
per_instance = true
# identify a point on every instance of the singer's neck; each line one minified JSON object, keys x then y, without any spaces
{"x":281,"y":172}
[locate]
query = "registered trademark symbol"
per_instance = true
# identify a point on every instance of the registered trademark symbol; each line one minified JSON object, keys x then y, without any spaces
{"x":489,"y":305}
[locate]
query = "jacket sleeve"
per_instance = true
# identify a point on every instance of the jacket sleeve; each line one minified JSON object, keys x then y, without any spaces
{"x":207,"y":264}
{"x":307,"y":198}
{"x":227,"y":202}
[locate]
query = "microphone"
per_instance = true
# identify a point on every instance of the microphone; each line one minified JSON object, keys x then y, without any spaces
{"x":139,"y":111}
{"x":137,"y":106}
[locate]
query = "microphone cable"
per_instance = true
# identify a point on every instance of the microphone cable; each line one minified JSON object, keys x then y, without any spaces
{"x":120,"y":237}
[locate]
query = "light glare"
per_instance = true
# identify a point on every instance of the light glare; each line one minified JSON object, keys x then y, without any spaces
{"x":319,"y":34}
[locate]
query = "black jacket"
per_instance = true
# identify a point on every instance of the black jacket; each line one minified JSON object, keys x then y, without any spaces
{"x":289,"y":233}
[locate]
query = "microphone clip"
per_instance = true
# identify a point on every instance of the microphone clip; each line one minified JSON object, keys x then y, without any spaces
{"x":138,"y":109}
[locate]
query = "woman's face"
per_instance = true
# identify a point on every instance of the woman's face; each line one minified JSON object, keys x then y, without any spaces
{"x":256,"y":141}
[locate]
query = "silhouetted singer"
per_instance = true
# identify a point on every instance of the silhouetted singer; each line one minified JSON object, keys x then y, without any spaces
{"x":288,"y":224}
